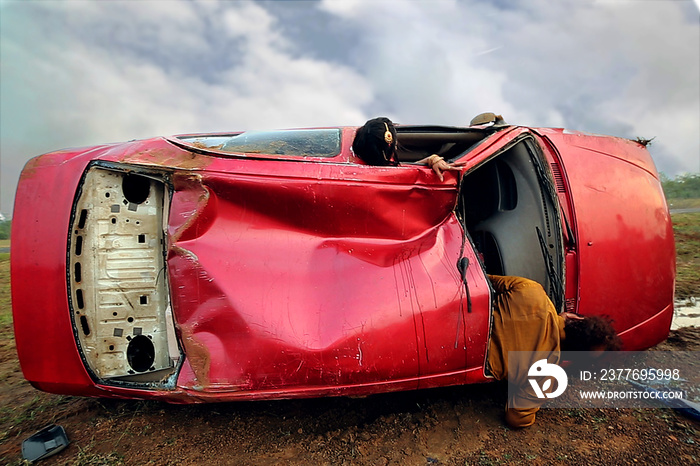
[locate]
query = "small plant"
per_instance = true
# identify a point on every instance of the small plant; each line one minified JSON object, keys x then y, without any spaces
{"x":86,"y":457}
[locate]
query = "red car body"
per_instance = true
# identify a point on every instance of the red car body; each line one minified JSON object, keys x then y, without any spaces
{"x":278,"y":265}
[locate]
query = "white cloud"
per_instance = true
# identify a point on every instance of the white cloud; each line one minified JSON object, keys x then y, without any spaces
{"x":626,"y":68}
{"x":124,"y":70}
{"x":423,"y":60}
{"x":251,"y":22}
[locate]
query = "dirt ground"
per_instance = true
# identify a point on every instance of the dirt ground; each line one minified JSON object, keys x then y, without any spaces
{"x":458,"y":425}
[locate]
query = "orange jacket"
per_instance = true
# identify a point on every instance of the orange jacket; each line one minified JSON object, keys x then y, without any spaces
{"x":524,"y":319}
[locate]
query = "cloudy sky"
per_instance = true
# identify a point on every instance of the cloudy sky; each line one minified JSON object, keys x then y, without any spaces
{"x":77,"y":73}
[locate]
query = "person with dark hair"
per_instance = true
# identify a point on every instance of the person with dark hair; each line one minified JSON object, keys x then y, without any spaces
{"x":591,"y":333}
{"x":524,"y":319}
{"x":376,"y":144}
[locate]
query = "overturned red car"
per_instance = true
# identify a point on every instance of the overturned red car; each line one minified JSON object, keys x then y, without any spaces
{"x":277,"y":264}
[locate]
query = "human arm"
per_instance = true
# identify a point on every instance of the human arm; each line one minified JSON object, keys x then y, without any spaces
{"x":438,"y":165}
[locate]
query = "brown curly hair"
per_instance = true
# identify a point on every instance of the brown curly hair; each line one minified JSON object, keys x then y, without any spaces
{"x":589,"y":333}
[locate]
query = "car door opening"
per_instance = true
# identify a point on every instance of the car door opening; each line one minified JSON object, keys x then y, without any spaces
{"x":511,"y":214}
{"x":120,"y":302}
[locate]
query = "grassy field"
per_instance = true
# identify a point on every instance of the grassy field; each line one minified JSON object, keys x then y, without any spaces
{"x":686,"y":228}
{"x":5,"y":308}
{"x":684,"y":203}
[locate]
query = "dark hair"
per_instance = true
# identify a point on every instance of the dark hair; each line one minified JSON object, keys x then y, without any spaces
{"x":375,"y":142}
{"x":591,"y":332}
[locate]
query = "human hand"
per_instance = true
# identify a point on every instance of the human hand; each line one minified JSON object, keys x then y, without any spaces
{"x":439,"y":165}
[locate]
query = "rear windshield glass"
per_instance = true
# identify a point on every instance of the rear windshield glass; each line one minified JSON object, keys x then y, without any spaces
{"x":299,"y":142}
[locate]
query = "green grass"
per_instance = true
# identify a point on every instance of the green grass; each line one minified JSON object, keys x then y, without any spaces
{"x":682,"y":204}
{"x":34,"y":408}
{"x":86,"y":457}
{"x":686,"y":228}
{"x":5,"y":304}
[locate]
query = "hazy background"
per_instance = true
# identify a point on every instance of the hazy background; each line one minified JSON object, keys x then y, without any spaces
{"x":77,"y":73}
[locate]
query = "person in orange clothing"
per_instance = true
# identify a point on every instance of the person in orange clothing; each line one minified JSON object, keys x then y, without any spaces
{"x":524,"y":319}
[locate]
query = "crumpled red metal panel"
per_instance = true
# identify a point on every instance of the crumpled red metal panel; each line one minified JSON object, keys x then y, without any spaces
{"x":289,"y":280}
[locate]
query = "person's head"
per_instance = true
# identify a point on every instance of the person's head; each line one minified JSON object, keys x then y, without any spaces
{"x":375,"y":142}
{"x":592,"y":333}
